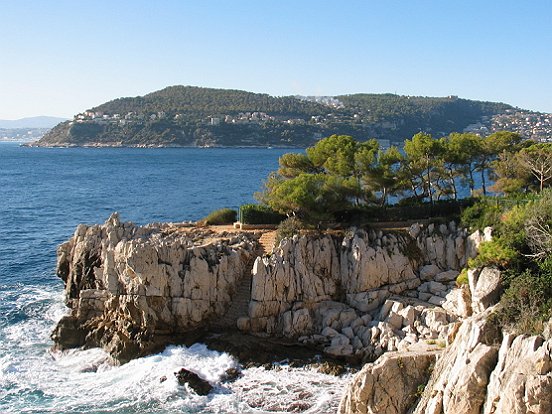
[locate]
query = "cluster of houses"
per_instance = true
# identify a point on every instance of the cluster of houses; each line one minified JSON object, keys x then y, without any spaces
{"x":531,"y":125}
{"x":103,"y":118}
{"x":241,"y":118}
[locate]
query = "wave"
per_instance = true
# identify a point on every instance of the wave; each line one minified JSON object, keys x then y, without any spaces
{"x":34,"y":379}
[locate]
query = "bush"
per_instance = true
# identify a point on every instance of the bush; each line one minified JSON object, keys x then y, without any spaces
{"x":485,"y":212}
{"x":495,"y":253}
{"x":259,"y":214}
{"x":538,"y":226}
{"x":462,"y":278}
{"x":222,"y":216}
{"x":288,"y":228}
{"x":526,"y":304}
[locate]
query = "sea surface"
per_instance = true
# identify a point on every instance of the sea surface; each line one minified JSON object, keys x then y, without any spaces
{"x":44,"y":194}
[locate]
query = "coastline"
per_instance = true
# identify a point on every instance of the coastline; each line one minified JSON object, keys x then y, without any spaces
{"x":98,"y":145}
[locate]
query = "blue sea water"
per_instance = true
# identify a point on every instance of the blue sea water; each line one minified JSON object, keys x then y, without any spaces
{"x":44,"y":194}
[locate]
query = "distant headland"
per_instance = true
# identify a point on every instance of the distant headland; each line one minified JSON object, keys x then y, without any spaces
{"x":187,"y":116}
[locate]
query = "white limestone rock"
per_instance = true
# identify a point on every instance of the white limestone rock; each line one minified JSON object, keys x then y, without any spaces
{"x":388,"y":385}
{"x":485,"y":286}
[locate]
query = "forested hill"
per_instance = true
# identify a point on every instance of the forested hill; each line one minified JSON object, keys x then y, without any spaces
{"x":204,"y":102}
{"x":194,"y":116}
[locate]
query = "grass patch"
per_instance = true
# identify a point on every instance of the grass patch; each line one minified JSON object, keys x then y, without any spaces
{"x":218,"y":217}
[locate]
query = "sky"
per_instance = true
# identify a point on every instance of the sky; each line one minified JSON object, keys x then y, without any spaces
{"x":61,"y":57}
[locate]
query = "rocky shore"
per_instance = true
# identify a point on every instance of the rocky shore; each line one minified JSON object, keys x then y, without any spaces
{"x":386,"y":299}
{"x":132,"y":289}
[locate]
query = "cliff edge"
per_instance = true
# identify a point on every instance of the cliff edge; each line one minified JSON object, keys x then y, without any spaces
{"x":132,"y":289}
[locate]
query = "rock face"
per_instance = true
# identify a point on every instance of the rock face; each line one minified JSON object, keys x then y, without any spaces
{"x":129,"y":287}
{"x":486,"y":287}
{"x":362,"y":293}
{"x":391,"y":385}
{"x":484,"y":373}
{"x":461,"y":376}
{"x":481,"y":372}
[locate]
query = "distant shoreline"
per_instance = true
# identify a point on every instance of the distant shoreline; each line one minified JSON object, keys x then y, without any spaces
{"x":34,"y":145}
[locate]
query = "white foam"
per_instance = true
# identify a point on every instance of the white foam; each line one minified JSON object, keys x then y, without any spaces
{"x":33,"y":379}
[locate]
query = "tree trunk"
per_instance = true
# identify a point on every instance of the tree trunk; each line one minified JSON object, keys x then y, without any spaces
{"x":453,"y":184}
{"x":471,"y":182}
{"x":429,"y":189}
{"x":384,"y":196}
{"x":483,"y":181}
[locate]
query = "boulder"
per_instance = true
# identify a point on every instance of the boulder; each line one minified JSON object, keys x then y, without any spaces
{"x":339,"y":350}
{"x":485,"y":286}
{"x":428,"y":272}
{"x":390,"y":385}
{"x":194,"y":381}
{"x":448,"y":276}
{"x":458,"y":302}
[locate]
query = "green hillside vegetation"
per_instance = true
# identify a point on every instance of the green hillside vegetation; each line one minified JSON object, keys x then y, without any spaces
{"x":410,"y":114}
{"x":193,"y":116}
{"x":199,"y":102}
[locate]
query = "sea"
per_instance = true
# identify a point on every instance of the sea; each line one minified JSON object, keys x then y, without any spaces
{"x":44,"y":194}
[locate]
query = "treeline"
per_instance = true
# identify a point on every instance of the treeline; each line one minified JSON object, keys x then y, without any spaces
{"x":410,"y":114}
{"x":203,"y":102}
{"x":339,"y":173}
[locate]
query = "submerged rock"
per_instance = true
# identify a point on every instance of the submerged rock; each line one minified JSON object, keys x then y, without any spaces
{"x":194,"y":381}
{"x":231,"y":374}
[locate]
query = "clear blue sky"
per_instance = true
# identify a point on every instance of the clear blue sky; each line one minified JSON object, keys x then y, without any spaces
{"x":60,"y":57}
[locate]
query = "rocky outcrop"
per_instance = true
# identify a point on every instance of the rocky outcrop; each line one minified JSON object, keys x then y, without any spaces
{"x":130,"y":288}
{"x":461,"y":375}
{"x":390,"y":385}
{"x":485,"y":286}
{"x":484,"y":373}
{"x":364,"y":292}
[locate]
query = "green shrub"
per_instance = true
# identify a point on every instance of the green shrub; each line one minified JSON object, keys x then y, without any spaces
{"x":222,"y":216}
{"x":483,"y":213}
{"x":462,"y":278}
{"x":526,"y":304}
{"x":538,"y":226}
{"x":512,"y":227}
{"x":494,"y":253}
{"x":259,"y":214}
{"x":288,"y":228}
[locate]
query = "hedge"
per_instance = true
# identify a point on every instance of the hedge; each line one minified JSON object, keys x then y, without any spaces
{"x":259,"y":214}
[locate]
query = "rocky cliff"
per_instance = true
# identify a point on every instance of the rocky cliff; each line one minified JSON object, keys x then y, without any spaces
{"x":388,"y":297}
{"x":487,"y":372}
{"x":130,"y":288}
{"x":355,"y":294}
{"x":483,"y":370}
{"x":363,"y":292}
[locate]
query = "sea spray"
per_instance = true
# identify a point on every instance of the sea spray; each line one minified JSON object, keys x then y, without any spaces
{"x":34,"y":379}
